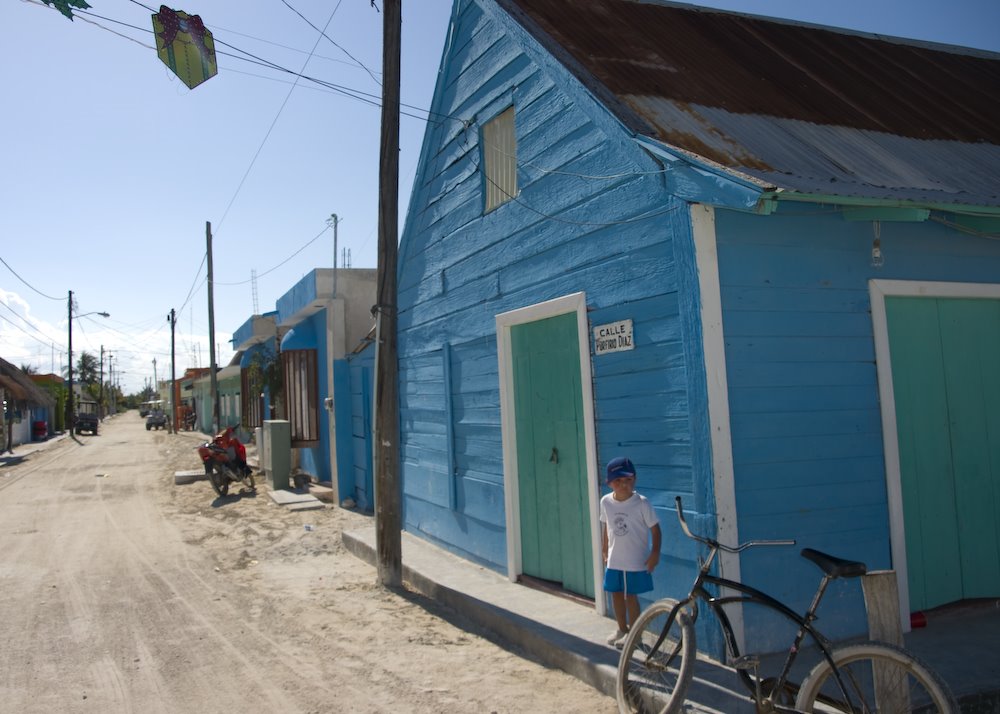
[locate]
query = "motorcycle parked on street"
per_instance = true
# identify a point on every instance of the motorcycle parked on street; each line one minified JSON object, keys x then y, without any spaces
{"x":224,"y":459}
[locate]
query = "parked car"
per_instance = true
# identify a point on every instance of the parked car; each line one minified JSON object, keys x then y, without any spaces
{"x":157,"y":419}
{"x":86,"y":422}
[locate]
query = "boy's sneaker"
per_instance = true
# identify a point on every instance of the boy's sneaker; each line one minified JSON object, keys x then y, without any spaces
{"x":618,"y":639}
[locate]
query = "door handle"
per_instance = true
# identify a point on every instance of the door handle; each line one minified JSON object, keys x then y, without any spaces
{"x":555,"y":456}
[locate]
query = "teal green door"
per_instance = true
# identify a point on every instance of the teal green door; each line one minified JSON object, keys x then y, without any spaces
{"x":945,"y":355}
{"x":552,"y":487}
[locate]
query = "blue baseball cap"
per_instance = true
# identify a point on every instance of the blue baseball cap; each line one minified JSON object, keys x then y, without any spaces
{"x":619,"y":467}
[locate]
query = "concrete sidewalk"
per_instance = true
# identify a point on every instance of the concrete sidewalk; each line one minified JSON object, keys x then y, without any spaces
{"x":962,"y":644}
{"x":22,"y":451}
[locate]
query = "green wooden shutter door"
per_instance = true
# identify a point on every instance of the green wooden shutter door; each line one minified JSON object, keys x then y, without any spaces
{"x":552,"y":488}
{"x":945,"y":356}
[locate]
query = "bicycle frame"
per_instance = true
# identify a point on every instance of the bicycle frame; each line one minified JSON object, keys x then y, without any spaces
{"x":749,"y":594}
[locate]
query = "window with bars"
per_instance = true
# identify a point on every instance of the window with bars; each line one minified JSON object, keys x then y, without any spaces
{"x":500,"y":159}
{"x":251,"y":385}
{"x":301,"y":395}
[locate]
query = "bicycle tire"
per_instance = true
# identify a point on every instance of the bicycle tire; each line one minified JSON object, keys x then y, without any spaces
{"x":907,"y":684}
{"x":641,"y":688}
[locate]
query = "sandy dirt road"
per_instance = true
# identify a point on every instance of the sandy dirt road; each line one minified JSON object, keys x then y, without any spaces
{"x":123,"y":592}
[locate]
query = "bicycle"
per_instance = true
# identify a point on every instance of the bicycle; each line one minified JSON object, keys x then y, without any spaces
{"x":657,"y":659}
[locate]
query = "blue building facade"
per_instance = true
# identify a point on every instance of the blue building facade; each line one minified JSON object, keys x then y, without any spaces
{"x":576,"y":284}
{"x":318,"y":342}
{"x":323,"y":324}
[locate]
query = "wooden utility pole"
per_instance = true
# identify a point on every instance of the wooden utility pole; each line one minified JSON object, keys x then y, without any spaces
{"x":172,"y":319}
{"x":388,"y":539}
{"x":100,"y":401}
{"x":211,"y":333}
{"x":69,"y":367}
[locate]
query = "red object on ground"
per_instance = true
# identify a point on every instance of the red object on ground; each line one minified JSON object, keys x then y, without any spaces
{"x":917,"y":619}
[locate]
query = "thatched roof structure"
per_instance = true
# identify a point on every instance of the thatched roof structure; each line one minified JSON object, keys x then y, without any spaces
{"x":21,"y":387}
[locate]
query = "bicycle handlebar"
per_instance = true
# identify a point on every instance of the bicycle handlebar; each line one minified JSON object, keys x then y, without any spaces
{"x":712,"y":543}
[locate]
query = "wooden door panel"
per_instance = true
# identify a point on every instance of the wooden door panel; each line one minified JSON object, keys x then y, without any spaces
{"x":970,"y":340}
{"x":945,"y":356}
{"x":552,"y":493}
{"x":932,"y":544}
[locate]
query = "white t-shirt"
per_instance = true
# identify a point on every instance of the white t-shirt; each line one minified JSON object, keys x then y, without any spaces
{"x":628,"y":523}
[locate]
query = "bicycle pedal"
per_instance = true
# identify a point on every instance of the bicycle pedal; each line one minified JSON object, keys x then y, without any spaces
{"x":746,"y":662}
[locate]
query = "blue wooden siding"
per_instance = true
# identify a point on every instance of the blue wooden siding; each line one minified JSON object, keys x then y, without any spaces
{"x":805,"y":417}
{"x":353,"y":402}
{"x":592,"y":216}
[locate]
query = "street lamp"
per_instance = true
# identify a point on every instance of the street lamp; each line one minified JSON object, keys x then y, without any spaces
{"x":69,"y":401}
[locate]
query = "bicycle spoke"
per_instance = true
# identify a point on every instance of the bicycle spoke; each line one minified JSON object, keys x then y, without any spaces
{"x":875,"y":677}
{"x":655,"y":665}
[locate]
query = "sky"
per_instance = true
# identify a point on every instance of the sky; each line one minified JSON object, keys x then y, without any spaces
{"x":112,"y":168}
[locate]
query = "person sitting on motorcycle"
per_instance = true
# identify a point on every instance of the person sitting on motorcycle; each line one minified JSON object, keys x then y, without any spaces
{"x":235,"y":450}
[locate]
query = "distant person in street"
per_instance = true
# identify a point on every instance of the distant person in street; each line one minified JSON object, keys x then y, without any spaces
{"x":628,"y":523}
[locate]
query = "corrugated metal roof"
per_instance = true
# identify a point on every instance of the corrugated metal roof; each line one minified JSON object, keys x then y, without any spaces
{"x":799,"y":107}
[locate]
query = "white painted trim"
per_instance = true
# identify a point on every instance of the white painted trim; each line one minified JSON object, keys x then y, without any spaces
{"x":335,"y":326}
{"x":878,"y":290}
{"x":577,"y":302}
{"x":713,"y":340}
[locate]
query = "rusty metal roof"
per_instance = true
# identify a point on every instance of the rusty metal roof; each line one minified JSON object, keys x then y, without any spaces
{"x":795,"y":106}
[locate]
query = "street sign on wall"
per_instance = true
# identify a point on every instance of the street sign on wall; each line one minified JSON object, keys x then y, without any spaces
{"x":613,"y":337}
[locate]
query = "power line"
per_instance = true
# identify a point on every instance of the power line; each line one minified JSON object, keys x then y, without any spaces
{"x":245,"y":56}
{"x":29,"y":284}
{"x":24,"y":320}
{"x":271,"y":270}
{"x":274,"y":122}
{"x":14,"y":324}
{"x":194,"y":285}
{"x":341,"y":89}
{"x":323,"y":33}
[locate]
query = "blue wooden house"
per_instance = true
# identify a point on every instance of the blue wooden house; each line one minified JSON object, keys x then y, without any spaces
{"x":310,"y":361}
{"x":760,"y":258}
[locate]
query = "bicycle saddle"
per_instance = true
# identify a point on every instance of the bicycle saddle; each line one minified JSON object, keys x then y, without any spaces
{"x":835,"y":567}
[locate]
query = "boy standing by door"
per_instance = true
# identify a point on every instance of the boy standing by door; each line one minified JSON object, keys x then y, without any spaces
{"x":627,"y":522}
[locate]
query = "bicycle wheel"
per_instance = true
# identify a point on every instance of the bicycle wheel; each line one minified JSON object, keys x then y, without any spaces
{"x":651,"y":677}
{"x":876,"y":677}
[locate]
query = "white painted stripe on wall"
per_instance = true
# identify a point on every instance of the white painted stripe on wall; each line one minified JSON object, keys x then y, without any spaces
{"x":707,"y":260}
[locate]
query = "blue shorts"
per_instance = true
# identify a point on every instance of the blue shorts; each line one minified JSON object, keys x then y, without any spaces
{"x":631,"y":582}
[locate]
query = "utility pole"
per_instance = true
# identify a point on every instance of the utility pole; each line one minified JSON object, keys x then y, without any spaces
{"x":156,"y":384}
{"x":100,"y":402}
{"x":214,"y":379}
{"x":69,"y":367}
{"x":333,"y":217}
{"x":388,"y":538}
{"x":111,"y":376}
{"x":172,"y":319}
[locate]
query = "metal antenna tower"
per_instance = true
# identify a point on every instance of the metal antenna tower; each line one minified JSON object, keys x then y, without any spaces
{"x":253,"y":288}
